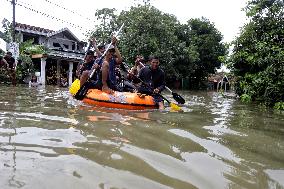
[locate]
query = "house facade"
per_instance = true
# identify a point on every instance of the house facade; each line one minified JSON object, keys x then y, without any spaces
{"x":65,"y":52}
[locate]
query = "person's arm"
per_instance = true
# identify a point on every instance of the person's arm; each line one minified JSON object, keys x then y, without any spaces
{"x":118,"y":58}
{"x":162,"y":83}
{"x":14,"y":62}
{"x":95,"y":66}
{"x":94,"y":43}
{"x":5,"y":63}
{"x":105,"y":70}
{"x":78,"y":71}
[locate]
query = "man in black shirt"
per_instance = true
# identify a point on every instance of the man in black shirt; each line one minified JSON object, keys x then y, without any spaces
{"x":11,"y":66}
{"x":85,"y":68}
{"x":10,"y":60}
{"x":153,"y":79}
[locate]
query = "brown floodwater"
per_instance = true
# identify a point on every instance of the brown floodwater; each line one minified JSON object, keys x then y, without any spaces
{"x":49,"y":140}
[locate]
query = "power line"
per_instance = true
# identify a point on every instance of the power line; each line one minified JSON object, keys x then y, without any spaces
{"x":52,"y":17}
{"x":72,"y":11}
{"x":49,"y":16}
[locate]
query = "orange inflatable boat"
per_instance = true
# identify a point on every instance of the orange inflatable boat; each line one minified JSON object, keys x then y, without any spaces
{"x":121,"y":100}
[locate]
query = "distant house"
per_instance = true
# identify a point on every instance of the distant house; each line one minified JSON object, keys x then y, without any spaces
{"x":219,"y":81}
{"x":65,"y":52}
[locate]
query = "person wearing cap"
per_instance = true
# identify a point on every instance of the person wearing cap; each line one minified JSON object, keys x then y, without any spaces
{"x":153,"y":79}
{"x":99,"y":49}
{"x":86,"y":67}
{"x":112,"y":58}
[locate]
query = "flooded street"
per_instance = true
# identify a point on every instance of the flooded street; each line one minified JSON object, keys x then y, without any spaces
{"x":49,"y":140}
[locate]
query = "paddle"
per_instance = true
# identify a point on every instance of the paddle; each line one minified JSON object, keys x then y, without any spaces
{"x":176,"y":96}
{"x":172,"y":105}
{"x":86,"y":86}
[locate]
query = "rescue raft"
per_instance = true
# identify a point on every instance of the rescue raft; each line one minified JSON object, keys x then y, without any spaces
{"x":121,"y":100}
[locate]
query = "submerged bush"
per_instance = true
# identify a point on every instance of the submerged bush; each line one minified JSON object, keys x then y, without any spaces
{"x":279,"y":106}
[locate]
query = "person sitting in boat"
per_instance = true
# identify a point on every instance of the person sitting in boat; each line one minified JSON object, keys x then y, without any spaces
{"x":139,"y":64}
{"x":112,"y":59}
{"x":131,"y":83}
{"x":99,"y":49}
{"x":86,"y":67}
{"x":33,"y":82}
{"x":153,"y":80}
{"x":106,"y":79}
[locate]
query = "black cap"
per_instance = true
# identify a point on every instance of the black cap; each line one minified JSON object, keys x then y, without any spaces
{"x":90,"y":52}
{"x":101,"y":47}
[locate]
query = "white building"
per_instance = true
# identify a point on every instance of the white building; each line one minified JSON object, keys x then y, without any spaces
{"x":2,"y":45}
{"x":65,"y":52}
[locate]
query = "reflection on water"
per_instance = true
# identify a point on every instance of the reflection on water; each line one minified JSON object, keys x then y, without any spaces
{"x":50,"y":140}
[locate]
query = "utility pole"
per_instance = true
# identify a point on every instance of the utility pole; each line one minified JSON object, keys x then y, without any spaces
{"x":14,"y":23}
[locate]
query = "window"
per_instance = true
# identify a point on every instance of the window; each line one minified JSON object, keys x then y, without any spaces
{"x":66,"y":46}
{"x":29,"y":37}
{"x":56,"y":44}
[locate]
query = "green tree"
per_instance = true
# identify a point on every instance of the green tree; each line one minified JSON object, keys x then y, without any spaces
{"x":107,"y":24}
{"x":258,"y":54}
{"x":25,"y":65}
{"x":28,"y":48}
{"x":7,"y":34}
{"x":207,"y":40}
{"x":148,"y":31}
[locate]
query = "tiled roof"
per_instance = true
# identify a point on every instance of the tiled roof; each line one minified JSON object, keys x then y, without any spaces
{"x":33,"y":28}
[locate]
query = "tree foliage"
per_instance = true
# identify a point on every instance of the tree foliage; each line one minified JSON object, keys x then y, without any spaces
{"x":25,"y":65}
{"x":106,"y":24}
{"x":148,"y":31}
{"x":258,"y":55}
{"x":28,"y":48}
{"x":7,"y":34}
{"x":207,"y":41}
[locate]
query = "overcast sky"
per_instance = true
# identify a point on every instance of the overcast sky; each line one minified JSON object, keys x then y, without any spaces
{"x":225,"y":14}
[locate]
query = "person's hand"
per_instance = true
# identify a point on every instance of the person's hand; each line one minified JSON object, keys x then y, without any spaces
{"x":95,"y":66}
{"x":106,"y":89}
{"x":93,"y":41}
{"x":114,"y":41}
{"x":131,"y":72}
{"x":156,"y":90}
{"x":137,"y":62}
